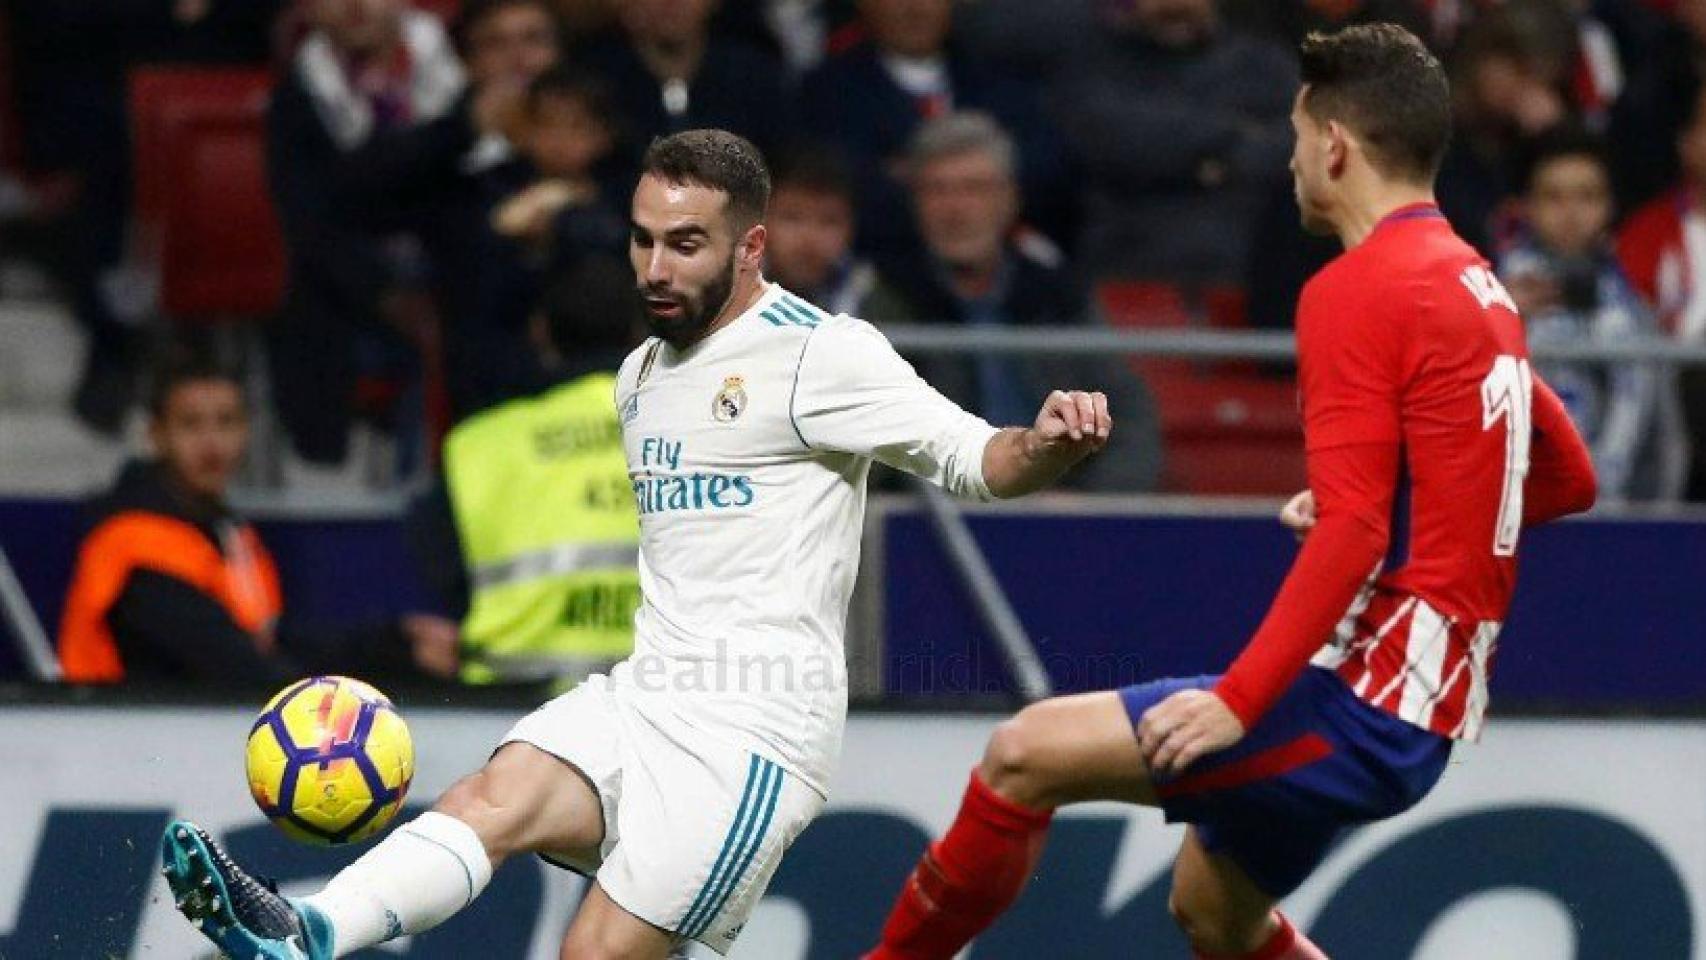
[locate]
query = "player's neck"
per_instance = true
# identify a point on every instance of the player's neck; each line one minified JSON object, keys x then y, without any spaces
{"x":1364,"y":213}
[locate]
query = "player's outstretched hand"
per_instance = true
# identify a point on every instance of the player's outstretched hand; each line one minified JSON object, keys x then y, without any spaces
{"x":1184,"y":727}
{"x":1298,"y":514}
{"x":1073,"y":422}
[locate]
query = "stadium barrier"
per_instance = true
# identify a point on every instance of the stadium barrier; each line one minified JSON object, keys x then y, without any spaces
{"x":1551,"y":840}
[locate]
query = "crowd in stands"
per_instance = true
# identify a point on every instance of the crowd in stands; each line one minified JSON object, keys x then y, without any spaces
{"x":433,"y":166}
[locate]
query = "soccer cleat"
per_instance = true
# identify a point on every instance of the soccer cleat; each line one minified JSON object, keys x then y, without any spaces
{"x":244,"y":916}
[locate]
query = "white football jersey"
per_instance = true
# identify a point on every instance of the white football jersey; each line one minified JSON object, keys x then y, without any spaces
{"x":748,"y":453}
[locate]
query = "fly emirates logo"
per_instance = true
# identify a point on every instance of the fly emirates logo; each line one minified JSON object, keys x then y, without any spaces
{"x":661,"y":487}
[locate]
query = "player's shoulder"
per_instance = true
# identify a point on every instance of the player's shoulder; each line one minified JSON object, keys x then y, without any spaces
{"x":791,"y":320}
{"x":790,"y":316}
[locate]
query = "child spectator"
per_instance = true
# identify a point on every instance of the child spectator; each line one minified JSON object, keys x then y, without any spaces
{"x":568,"y":135}
{"x":1563,"y":274}
{"x":810,"y":250}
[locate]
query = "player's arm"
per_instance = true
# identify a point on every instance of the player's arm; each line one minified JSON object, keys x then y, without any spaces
{"x":854,"y":393}
{"x":1070,"y":426}
{"x":1560,"y":470}
{"x":1349,"y":372}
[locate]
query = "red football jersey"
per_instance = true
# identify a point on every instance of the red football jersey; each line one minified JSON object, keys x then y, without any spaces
{"x":1415,"y":383}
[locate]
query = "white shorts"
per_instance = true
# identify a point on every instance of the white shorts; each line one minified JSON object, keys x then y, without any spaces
{"x":694,"y":828}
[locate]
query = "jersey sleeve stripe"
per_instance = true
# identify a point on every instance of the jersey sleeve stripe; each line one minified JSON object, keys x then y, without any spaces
{"x":799,"y":315}
{"x":816,"y":315}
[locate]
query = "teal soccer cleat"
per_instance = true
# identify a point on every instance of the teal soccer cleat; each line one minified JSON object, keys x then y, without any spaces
{"x":245,"y":917}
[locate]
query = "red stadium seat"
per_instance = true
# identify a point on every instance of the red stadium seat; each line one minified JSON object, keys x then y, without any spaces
{"x":157,"y":95}
{"x":1227,"y":428}
{"x":221,"y":254}
{"x":1230,"y":434}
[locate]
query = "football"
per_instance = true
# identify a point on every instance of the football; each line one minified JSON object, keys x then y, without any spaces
{"x":330,"y":760}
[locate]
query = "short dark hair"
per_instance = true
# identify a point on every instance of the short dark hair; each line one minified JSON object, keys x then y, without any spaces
{"x":1566,"y":140}
{"x":716,"y":159}
{"x":592,"y":308}
{"x":180,"y":365}
{"x":476,"y":12}
{"x":572,"y":83}
{"x":1381,"y":81}
{"x":812,"y":167}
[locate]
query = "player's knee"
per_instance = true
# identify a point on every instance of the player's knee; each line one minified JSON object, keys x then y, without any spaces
{"x":590,"y":942}
{"x":1011,"y":761}
{"x":480,"y":801}
{"x":468,"y":801}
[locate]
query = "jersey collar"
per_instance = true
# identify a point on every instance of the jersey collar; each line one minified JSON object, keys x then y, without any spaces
{"x":1423,"y":210}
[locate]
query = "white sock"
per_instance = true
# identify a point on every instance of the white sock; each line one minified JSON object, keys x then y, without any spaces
{"x":414,"y":880}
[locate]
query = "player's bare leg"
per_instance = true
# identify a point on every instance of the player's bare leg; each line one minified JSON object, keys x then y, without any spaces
{"x":1223,"y":913}
{"x":435,"y":865}
{"x":1066,"y":750}
{"x":1052,"y":753}
{"x":522,"y":800}
{"x":526,"y":800}
{"x":602,"y":930}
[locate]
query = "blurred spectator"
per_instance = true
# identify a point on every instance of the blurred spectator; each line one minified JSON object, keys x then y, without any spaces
{"x":567,"y":135}
{"x":359,"y":293}
{"x":670,"y":73}
{"x":978,"y":272}
{"x":1509,"y":89}
{"x":870,"y":100}
{"x":1029,"y":41}
{"x":1289,"y":21}
{"x":553,"y":211}
{"x":507,"y":45}
{"x":810,"y":245}
{"x":1183,"y":127}
{"x":1565,"y":277}
{"x":798,"y":32}
{"x":1663,"y":247}
{"x":533,"y":532}
{"x":70,"y":61}
{"x":171,"y":584}
{"x":1665,"y":59}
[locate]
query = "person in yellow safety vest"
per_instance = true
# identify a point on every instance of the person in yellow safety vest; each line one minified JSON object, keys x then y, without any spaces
{"x":540,"y":504}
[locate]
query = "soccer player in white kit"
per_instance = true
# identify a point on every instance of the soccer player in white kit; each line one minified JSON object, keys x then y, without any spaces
{"x":750,"y":421}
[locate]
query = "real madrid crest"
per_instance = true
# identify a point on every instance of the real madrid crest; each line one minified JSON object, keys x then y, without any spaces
{"x":730,"y":401}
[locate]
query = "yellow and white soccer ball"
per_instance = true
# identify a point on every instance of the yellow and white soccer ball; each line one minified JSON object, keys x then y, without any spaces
{"x":330,"y":760}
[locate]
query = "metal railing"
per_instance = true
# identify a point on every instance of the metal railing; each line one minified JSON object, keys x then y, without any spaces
{"x":20,"y":617}
{"x":972,"y":567}
{"x":1201,"y":344}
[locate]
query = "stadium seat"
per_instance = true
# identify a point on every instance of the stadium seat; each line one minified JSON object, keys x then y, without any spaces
{"x":1227,"y":427}
{"x":157,"y":95}
{"x":221,"y":254}
{"x":1230,"y":434}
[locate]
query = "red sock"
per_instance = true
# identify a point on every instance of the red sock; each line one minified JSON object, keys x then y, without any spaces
{"x":966,"y":879}
{"x":1287,"y":943}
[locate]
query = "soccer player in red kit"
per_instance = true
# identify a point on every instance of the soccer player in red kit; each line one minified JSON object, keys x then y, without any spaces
{"x":1418,"y":396}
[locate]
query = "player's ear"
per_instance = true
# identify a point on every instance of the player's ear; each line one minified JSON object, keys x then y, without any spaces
{"x":750,"y":250}
{"x":1338,"y":148}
